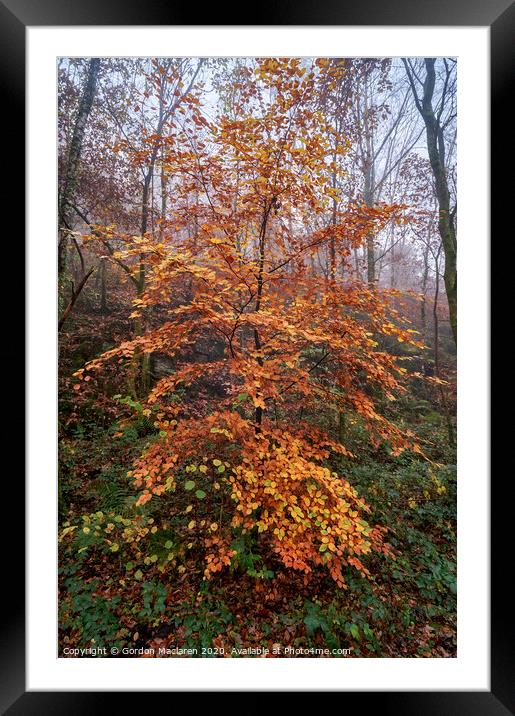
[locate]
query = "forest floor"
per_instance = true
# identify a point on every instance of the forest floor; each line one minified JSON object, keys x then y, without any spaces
{"x":134,"y":582}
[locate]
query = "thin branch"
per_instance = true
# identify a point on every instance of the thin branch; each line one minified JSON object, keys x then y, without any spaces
{"x":75,"y":295}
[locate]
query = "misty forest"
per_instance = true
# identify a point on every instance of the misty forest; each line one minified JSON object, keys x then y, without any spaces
{"x":257,"y":324}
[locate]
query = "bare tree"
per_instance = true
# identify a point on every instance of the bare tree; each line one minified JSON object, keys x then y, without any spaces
{"x":386,"y":134}
{"x":437,"y":118}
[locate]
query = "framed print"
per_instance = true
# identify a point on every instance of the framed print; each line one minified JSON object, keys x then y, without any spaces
{"x":246,"y":337}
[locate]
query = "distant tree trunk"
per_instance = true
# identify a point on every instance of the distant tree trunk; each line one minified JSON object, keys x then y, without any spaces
{"x":164,"y":197}
{"x":332,"y":276}
{"x":436,"y":151}
{"x":371,"y":264}
{"x":73,"y":159}
{"x":435,"y":314}
{"x":148,"y":182}
{"x":445,"y":404}
{"x":423,"y":307}
{"x":393,"y":276}
{"x":368,"y":196}
{"x":356,"y":264}
{"x":103,"y":287}
{"x":368,"y":189}
{"x":425,"y":276}
{"x":332,"y":246}
{"x":341,"y":427}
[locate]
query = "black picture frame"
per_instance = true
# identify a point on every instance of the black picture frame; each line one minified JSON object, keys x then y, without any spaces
{"x":15,"y":16}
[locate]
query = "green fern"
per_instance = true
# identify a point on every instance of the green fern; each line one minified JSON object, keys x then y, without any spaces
{"x":113,"y":495}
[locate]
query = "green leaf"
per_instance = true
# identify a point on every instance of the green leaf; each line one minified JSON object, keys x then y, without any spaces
{"x":138,"y":574}
{"x":368,"y":631}
{"x":168,"y":544}
{"x":189,"y":485}
{"x":353,"y":628}
{"x":313,"y":621}
{"x":200,"y":494}
{"x":221,"y":468}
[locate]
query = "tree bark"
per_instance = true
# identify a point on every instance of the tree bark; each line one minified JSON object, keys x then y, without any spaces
{"x":73,"y":160}
{"x":445,"y":405}
{"x":436,"y":151}
{"x":425,"y":276}
{"x":75,"y":295}
{"x":368,"y":195}
{"x":258,"y":415}
{"x":103,"y":285}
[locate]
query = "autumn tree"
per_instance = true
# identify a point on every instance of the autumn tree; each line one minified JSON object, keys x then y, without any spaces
{"x":260,"y":346}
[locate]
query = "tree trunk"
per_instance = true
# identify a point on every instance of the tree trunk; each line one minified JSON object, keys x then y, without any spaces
{"x":164,"y":198}
{"x":72,"y":164}
{"x":258,"y":415}
{"x":445,"y":405}
{"x":425,"y":275}
{"x":139,"y":361}
{"x":332,"y":245}
{"x":140,"y":364}
{"x":436,"y":151}
{"x":436,"y":336}
{"x":370,"y":248}
{"x":103,"y":287}
{"x":341,"y":427}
